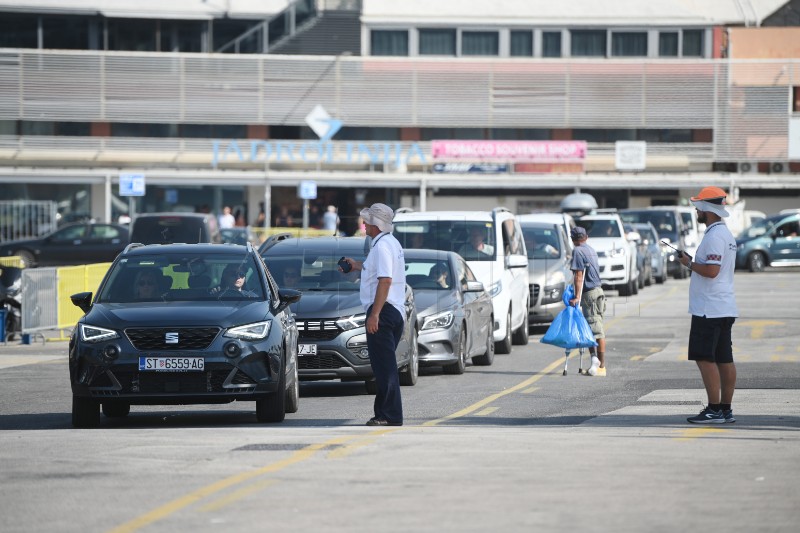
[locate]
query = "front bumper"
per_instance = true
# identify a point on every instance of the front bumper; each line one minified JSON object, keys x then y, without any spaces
{"x":436,"y":346}
{"x":334,"y":359}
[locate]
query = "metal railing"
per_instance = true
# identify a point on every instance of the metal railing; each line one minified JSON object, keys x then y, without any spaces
{"x":20,"y":219}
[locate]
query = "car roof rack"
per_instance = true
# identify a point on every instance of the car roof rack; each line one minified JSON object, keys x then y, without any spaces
{"x":272,"y":240}
{"x":501,"y":209}
{"x":132,"y":246}
{"x":404,"y":210}
{"x":605,"y":210}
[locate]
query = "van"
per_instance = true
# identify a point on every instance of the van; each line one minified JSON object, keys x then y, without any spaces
{"x":668,"y":222}
{"x":492,"y":244}
{"x":168,"y":228}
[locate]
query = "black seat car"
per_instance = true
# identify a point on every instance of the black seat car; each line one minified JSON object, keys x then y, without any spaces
{"x":168,"y":228}
{"x":330,"y":318}
{"x":153,"y":336}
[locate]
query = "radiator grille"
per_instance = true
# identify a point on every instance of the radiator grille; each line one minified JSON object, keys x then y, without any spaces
{"x":150,"y":339}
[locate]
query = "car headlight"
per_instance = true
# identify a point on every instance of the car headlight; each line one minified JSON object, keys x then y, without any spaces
{"x":254,"y":331}
{"x":97,"y":334}
{"x":352,"y":322}
{"x":438,"y":321}
{"x":552,"y":293}
{"x":495,"y":288}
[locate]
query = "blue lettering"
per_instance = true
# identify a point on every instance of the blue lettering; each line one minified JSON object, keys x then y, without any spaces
{"x":373,"y":157}
{"x":415,"y":149}
{"x":232,"y":147}
{"x":318,"y":147}
{"x":255,"y":147}
{"x":288,"y":146}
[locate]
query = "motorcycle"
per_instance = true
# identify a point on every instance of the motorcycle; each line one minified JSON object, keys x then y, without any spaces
{"x":11,"y":299}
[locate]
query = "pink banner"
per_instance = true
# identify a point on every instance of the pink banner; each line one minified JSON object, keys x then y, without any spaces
{"x":520,"y":151}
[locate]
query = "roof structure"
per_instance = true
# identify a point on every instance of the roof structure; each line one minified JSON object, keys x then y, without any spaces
{"x":573,"y":12}
{"x":151,"y":9}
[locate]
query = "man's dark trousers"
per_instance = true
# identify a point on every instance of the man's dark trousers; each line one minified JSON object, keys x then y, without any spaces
{"x":382,"y":345}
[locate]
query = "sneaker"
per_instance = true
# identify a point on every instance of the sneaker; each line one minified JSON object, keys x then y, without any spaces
{"x":728,"y":415}
{"x":707,"y":416}
{"x":597,"y":371}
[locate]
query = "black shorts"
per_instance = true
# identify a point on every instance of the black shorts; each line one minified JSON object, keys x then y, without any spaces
{"x":710,"y":339}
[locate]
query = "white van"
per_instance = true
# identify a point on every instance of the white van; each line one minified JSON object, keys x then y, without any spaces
{"x":492,"y":244}
{"x":691,"y":228}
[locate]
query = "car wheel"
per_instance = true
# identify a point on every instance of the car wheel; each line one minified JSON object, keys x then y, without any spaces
{"x":116,"y":410}
{"x":372,"y":386}
{"x":520,"y":337}
{"x":85,"y":412}
{"x":408,"y":377}
{"x":26,"y":257}
{"x":634,"y":286}
{"x":273,"y":407}
{"x":504,"y":346}
{"x":487,"y":358}
{"x":755,"y":262}
{"x":293,"y":393}
{"x":624,"y":289}
{"x":650,"y":278}
{"x":461,"y":351}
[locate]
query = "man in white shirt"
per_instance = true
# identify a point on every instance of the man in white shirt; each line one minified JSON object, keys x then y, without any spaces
{"x":226,"y":219}
{"x":476,"y":245}
{"x":712,"y":304}
{"x":383,"y":293}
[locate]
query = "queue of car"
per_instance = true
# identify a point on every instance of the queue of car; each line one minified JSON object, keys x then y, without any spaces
{"x":229,"y":322}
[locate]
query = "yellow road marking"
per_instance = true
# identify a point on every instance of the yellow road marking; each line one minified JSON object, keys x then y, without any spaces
{"x":758,"y":326}
{"x":637,"y":357}
{"x":694,"y":433}
{"x":487,"y":411}
{"x":532,"y":389}
{"x":241,"y":493}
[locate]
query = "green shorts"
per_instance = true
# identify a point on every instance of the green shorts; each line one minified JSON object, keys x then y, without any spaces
{"x":593,"y":305}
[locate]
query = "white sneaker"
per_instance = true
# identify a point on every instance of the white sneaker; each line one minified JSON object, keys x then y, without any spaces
{"x":595,"y":364}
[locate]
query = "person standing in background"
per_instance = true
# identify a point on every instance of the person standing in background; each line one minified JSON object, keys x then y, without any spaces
{"x":712,"y":304}
{"x":330,"y":220}
{"x":383,"y":293}
{"x":226,"y":219}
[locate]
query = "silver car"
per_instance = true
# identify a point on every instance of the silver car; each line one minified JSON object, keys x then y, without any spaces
{"x":549,"y":257}
{"x":454,"y":311}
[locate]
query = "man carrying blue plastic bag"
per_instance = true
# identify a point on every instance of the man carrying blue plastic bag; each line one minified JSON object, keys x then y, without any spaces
{"x":569,"y":330}
{"x":592,"y":299}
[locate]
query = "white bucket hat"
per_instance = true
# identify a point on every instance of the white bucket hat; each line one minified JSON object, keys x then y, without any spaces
{"x":711,"y":200}
{"x":380,"y":215}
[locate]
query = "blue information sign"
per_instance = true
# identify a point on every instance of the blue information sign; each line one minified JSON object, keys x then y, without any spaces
{"x":131,"y":184}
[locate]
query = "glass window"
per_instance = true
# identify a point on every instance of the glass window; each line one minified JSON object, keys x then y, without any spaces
{"x":66,"y":33}
{"x":389,"y":43}
{"x":692,"y":43}
{"x":668,"y":44}
{"x":437,"y":42}
{"x":521,"y":43}
{"x":629,"y":44}
{"x":227,"y":30}
{"x":588,"y":43}
{"x":132,"y":34}
{"x":18,"y":31}
{"x":480,"y":43}
{"x":551,"y":44}
{"x":181,"y":36}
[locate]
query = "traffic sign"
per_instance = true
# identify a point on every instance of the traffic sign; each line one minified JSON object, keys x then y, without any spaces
{"x":307,"y":190}
{"x":131,"y":184}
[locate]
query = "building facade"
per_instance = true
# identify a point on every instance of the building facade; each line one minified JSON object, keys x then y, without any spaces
{"x":423,"y":104}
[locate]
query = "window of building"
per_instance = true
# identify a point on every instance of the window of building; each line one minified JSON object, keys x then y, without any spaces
{"x":551,"y":44}
{"x":213,"y":131}
{"x":18,"y":31}
{"x":360,"y":133}
{"x":181,"y":36}
{"x":668,"y":44}
{"x":467,"y":134}
{"x":520,"y":134}
{"x":437,"y":42}
{"x":588,"y":43}
{"x":137,"y":35}
{"x":629,"y":44}
{"x":692,"y":43}
{"x":389,"y":42}
{"x":65,"y":33}
{"x":227,"y":30}
{"x":125,"y":129}
{"x":480,"y":43}
{"x":521,"y":43}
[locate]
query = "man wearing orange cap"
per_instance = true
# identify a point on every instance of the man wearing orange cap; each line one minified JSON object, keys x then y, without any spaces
{"x":712,"y":304}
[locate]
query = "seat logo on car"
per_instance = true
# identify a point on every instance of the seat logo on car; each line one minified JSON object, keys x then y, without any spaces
{"x":171,"y":337}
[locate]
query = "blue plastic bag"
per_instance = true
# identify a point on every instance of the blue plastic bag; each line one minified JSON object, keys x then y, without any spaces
{"x":570,"y":328}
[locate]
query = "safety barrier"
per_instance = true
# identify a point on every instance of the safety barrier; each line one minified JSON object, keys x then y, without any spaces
{"x":46,"y":304}
{"x":263,"y":233}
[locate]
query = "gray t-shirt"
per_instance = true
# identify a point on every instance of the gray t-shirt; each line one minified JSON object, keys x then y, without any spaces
{"x":585,"y":258}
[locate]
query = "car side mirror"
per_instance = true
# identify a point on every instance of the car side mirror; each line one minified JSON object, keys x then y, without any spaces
{"x":82,"y":300}
{"x":286,"y":297}
{"x":474,"y":286}
{"x":517,"y":261}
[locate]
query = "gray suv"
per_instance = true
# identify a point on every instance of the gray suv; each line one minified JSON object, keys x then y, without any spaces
{"x":330,"y":318}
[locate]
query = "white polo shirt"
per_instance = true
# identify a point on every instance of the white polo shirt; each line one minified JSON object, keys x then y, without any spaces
{"x":714,"y":297}
{"x":385,"y":260}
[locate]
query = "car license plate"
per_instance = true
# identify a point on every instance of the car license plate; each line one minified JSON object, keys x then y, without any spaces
{"x":171,"y":364}
{"x":307,"y":349}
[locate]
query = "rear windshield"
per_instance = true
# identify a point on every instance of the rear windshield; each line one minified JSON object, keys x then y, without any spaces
{"x":169,"y":229}
{"x":474,"y":241}
{"x":312,"y":270}
{"x":663,"y":221}
{"x":183,"y":277}
{"x":603,"y":228}
{"x":541,"y":243}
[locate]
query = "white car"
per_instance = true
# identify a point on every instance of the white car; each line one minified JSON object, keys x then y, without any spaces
{"x":492,"y":244}
{"x":615,"y":253}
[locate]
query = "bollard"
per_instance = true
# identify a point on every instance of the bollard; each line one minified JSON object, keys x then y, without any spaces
{"x":3,"y":325}
{"x":26,"y":338}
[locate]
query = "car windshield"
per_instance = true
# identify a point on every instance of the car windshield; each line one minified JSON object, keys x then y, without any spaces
{"x":473,"y":240}
{"x":541,"y":242}
{"x":600,"y":228}
{"x":312,"y":270}
{"x":663,"y":221}
{"x":759,"y":227}
{"x":183,"y":277}
{"x":428,"y":274}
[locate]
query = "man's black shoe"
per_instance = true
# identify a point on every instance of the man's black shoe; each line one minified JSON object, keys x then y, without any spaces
{"x":382,"y":422}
